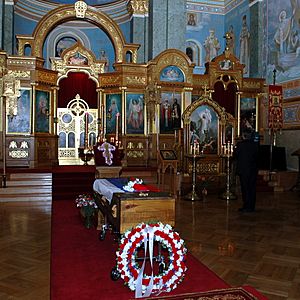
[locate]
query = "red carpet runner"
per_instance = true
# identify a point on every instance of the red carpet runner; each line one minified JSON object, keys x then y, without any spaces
{"x":81,"y":264}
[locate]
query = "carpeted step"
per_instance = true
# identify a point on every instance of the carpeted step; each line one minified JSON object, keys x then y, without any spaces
{"x":70,"y":181}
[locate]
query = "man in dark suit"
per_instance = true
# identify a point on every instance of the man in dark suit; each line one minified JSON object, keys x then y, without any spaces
{"x":246,"y":154}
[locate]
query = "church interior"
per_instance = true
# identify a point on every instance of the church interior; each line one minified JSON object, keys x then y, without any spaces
{"x":156,"y":93}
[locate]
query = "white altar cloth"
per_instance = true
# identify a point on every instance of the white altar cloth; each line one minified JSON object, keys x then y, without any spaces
{"x":106,"y":188}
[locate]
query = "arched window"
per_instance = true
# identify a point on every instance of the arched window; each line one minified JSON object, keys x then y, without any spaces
{"x":189,"y":52}
{"x":193,"y":51}
{"x":129,"y":56}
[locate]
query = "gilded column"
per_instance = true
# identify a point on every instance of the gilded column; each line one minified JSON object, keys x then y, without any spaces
{"x":187,"y":98}
{"x":238,"y":113}
{"x":100,"y":108}
{"x":123,"y":89}
{"x":54,"y":111}
{"x":33,"y":106}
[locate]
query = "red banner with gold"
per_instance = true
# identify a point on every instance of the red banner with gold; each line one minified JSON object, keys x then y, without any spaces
{"x":275,"y":118}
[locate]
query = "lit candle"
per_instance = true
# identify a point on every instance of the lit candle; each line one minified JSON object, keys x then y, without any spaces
{"x":86,"y":128}
{"x":117,"y":126}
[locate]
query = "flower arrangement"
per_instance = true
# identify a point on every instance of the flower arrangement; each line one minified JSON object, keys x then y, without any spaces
{"x":129,"y":187}
{"x":128,"y":267}
{"x":87,"y":206}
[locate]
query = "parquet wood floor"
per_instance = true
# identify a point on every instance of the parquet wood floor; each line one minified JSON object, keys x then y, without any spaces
{"x":260,"y":249}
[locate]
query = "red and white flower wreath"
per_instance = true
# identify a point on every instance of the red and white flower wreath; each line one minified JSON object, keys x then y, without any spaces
{"x":129,"y":268}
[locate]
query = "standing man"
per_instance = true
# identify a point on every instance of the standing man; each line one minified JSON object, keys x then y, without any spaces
{"x":246,"y":154}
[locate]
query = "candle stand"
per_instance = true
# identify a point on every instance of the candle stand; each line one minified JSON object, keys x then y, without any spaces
{"x":85,"y":155}
{"x":227,"y":154}
{"x":192,"y":196}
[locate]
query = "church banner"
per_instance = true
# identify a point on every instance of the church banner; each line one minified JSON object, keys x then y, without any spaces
{"x":275,"y":118}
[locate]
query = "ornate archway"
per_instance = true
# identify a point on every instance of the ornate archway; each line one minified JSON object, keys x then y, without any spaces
{"x":68,"y":13}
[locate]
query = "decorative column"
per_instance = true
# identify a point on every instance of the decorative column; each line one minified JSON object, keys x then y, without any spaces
{"x":123,"y":116}
{"x":8,"y":25}
{"x":100,"y":118}
{"x":139,"y":22}
{"x":164,"y":34}
{"x":55,"y":118}
{"x":33,"y":84}
{"x":258,"y":30}
{"x":238,"y":113}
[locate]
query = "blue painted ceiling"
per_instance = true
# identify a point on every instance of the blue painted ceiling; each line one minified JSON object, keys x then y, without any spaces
{"x":89,"y":2}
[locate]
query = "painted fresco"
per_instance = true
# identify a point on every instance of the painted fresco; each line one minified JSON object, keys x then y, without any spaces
{"x":21,"y":122}
{"x":135,"y":114}
{"x":113,"y":107}
{"x":172,"y":73}
{"x":204,"y":126}
{"x":63,"y":44}
{"x":237,"y":24}
{"x":198,"y":29}
{"x":283,"y":40}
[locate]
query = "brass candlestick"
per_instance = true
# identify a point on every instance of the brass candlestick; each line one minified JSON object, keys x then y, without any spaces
{"x":195,"y":155}
{"x":227,"y":154}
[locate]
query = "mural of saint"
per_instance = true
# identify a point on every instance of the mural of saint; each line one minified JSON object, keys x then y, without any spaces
{"x":211,"y":46}
{"x":191,"y":21}
{"x":244,"y":44}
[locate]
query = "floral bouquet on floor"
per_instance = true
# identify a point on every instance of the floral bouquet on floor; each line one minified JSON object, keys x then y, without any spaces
{"x":87,"y":206}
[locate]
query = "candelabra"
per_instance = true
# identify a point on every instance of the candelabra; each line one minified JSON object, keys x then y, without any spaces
{"x":227,"y":152}
{"x":194,"y":156}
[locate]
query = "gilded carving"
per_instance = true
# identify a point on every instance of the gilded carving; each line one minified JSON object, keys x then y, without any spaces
{"x":135,"y":80}
{"x":208,"y":168}
{"x":138,"y":7}
{"x":20,"y":74}
{"x":62,"y":65}
{"x":80,"y":9}
{"x":251,"y":84}
{"x":44,"y":76}
{"x":67,"y":13}
{"x":173,"y":59}
{"x":135,"y":154}
{"x":201,"y":81}
{"x":110,"y":80}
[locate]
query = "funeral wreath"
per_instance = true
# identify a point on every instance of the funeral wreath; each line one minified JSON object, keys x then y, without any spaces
{"x":172,"y":269}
